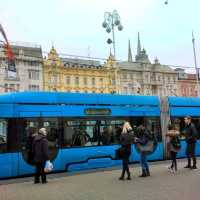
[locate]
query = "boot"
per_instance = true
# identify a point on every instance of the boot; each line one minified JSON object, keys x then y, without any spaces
{"x":122,"y":176}
{"x":36,"y":180}
{"x":148,"y":172}
{"x":189,"y":163}
{"x":194,"y":163}
{"x":143,"y":173}
{"x":129,"y":176}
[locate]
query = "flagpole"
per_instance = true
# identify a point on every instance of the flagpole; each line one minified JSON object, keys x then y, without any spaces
{"x":195,"y":64}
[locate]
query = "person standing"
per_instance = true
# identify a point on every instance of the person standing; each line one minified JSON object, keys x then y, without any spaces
{"x":41,"y":155}
{"x":142,"y":139}
{"x":126,"y":140}
{"x":191,"y":139}
{"x":174,"y":146}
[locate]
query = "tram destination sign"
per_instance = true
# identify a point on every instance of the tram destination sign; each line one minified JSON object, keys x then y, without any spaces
{"x":97,"y":111}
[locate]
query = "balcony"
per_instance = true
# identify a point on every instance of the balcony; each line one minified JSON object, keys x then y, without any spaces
{"x":7,"y":78}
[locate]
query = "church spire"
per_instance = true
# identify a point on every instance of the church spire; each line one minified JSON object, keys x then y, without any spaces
{"x":130,"y":59}
{"x":138,"y":45}
{"x":141,"y":56}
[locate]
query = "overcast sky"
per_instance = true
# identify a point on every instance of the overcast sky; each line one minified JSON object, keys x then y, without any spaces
{"x":74,"y":25}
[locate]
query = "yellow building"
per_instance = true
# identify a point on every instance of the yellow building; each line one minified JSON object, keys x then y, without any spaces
{"x":79,"y":75}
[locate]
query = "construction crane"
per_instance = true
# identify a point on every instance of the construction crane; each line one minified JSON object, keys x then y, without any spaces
{"x":9,"y":54}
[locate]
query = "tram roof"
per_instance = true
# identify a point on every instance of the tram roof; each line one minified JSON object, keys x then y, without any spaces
{"x":184,"y":101}
{"x":76,"y":98}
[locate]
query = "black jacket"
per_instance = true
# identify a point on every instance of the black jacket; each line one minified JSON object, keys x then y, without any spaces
{"x":40,"y":149}
{"x":190,"y":133}
{"x":127,"y":139}
{"x":144,"y":136}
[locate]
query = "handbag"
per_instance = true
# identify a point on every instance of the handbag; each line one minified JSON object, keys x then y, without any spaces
{"x":119,"y":153}
{"x":48,"y":166}
{"x":148,"y":147}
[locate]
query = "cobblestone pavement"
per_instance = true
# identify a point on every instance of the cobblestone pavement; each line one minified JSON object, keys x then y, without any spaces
{"x":104,"y":185}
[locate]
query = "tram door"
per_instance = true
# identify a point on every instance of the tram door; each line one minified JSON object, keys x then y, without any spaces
{"x":30,"y":130}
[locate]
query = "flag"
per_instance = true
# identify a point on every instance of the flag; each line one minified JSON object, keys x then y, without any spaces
{"x":9,"y":54}
{"x":11,"y":61}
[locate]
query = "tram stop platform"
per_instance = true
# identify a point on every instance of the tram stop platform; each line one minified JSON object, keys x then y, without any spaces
{"x":104,"y":185}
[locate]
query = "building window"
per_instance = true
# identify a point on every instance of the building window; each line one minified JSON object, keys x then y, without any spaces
{"x":93,"y":81}
{"x":131,"y":76}
{"x":174,"y":79}
{"x":113,"y":82}
{"x":54,"y":79}
{"x":18,"y":87}
{"x":101,"y":81}
{"x":33,"y":63}
{"x":125,"y":90}
{"x":77,"y":80}
{"x":133,"y":90}
{"x":6,"y":87}
{"x":68,"y":80}
{"x":33,"y":74}
{"x":33,"y":87}
{"x":124,"y":76}
{"x":9,"y":87}
{"x":85,"y":80}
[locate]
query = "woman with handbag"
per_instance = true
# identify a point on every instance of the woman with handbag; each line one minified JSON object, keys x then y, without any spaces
{"x":126,"y":140}
{"x":174,"y":146}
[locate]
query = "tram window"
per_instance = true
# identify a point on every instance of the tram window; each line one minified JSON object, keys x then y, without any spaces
{"x":151,"y":123}
{"x":180,"y":124}
{"x":80,"y":133}
{"x":30,"y":130}
{"x":110,"y":131}
{"x":53,"y":129}
{"x":3,"y":135}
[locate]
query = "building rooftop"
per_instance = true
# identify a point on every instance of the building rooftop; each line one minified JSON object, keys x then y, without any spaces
{"x":26,"y":49}
{"x":136,"y":66}
{"x":81,"y":62}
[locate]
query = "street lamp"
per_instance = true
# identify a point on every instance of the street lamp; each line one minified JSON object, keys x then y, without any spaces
{"x":110,"y":21}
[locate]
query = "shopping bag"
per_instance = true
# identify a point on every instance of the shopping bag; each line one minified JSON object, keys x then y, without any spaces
{"x":48,"y":166}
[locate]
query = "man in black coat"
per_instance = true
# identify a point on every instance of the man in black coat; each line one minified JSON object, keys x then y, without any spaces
{"x":191,"y":138}
{"x":40,"y":155}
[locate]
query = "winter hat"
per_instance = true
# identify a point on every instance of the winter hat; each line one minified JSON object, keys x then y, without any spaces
{"x":43,"y":131}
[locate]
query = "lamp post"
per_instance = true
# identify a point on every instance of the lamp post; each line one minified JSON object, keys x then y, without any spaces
{"x":195,"y":65}
{"x":110,"y":21}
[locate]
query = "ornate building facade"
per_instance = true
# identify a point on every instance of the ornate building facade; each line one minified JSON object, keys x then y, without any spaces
{"x":142,"y":77}
{"x":79,"y":75}
{"x":130,"y":78}
{"x":28,"y":61}
{"x":187,"y":84}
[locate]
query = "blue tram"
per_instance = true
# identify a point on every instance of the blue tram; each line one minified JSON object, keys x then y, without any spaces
{"x":83,"y":129}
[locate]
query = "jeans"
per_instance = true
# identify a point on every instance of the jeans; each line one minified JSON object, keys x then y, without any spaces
{"x":144,"y":163}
